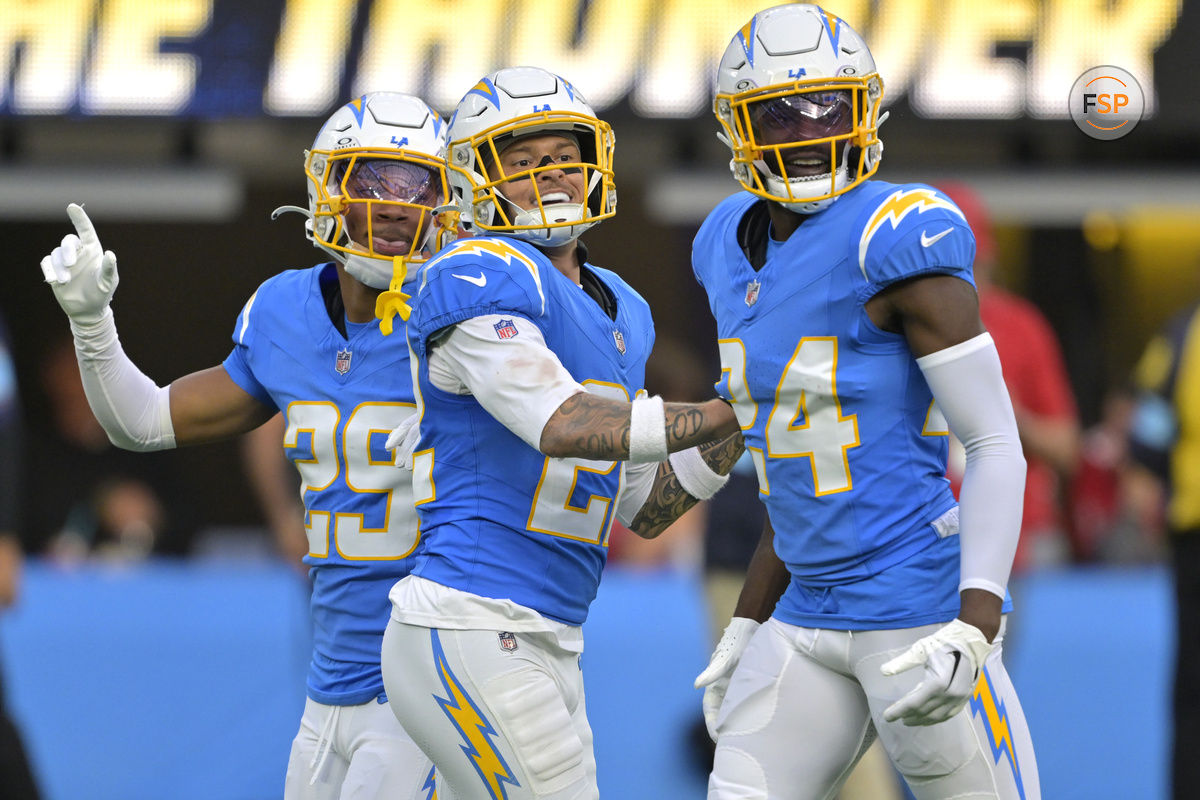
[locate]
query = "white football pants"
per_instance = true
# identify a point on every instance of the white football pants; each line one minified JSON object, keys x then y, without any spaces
{"x":356,"y":753}
{"x":804,"y":703}
{"x":502,"y":715}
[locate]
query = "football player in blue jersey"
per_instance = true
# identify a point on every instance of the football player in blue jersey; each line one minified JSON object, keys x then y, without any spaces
{"x":307,"y":344}
{"x":534,"y":433}
{"x":850,"y":343}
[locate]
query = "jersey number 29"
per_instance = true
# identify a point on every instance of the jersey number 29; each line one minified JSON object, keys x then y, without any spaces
{"x":390,"y":530}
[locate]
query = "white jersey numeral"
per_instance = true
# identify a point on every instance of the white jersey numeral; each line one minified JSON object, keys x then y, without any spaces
{"x":806,"y":419}
{"x":394,"y":533}
{"x":552,"y":511}
{"x":733,"y":361}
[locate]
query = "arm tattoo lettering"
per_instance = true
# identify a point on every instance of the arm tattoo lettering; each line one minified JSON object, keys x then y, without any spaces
{"x":686,"y":424}
{"x":597,"y":428}
{"x":587,"y":426}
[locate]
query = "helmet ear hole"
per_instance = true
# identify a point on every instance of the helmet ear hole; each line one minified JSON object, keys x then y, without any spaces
{"x":322,"y":228}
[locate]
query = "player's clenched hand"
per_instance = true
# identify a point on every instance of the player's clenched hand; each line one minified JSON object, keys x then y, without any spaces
{"x":952,"y":656}
{"x":82,"y":274}
{"x":403,"y":439}
{"x":715,"y":677}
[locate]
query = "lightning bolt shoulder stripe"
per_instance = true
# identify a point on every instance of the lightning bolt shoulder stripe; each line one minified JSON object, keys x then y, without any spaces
{"x":496,"y":248}
{"x":895,"y":208}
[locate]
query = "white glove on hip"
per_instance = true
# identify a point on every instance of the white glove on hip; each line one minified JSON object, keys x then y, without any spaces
{"x":82,"y":274}
{"x":952,"y":656}
{"x":715,"y":677}
{"x":403,"y":439}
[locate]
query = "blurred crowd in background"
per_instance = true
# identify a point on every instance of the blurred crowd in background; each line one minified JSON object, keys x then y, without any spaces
{"x":1087,"y":501}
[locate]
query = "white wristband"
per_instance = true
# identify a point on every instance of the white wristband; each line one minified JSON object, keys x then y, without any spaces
{"x":647,"y":430}
{"x":695,"y":475}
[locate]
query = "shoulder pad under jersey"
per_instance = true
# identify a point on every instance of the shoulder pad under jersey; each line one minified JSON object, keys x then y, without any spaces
{"x":477,"y":276}
{"x":911,"y":230}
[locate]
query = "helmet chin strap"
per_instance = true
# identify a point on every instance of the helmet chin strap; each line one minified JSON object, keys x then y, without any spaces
{"x":551,"y":236}
{"x":801,"y":206}
{"x":810,"y":206}
{"x":374,"y":272}
{"x":371,"y":271}
{"x":564,"y":212}
{"x":394,"y":301}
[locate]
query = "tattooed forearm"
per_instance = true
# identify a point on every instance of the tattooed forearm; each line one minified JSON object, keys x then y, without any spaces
{"x":690,"y":424}
{"x":722,"y":455}
{"x":686,"y":423}
{"x":588,"y":426}
{"x":668,"y":501}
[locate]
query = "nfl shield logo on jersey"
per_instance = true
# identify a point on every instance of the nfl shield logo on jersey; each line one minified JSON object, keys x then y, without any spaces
{"x":508,"y":642}
{"x":619,"y":338}
{"x":505,"y":329}
{"x":752,"y":292}
{"x":342,"y":364}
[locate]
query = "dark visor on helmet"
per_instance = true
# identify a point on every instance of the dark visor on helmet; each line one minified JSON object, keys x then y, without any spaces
{"x":801,"y":117}
{"x":395,"y":181}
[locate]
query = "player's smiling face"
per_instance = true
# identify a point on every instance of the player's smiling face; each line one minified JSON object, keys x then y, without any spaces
{"x":541,"y":152}
{"x":409,"y":192}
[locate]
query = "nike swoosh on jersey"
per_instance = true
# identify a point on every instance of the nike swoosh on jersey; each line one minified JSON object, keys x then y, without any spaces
{"x":926,"y":241}
{"x":478,"y":281}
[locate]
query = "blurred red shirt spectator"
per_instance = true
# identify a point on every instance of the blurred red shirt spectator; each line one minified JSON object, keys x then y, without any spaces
{"x":1036,"y":376}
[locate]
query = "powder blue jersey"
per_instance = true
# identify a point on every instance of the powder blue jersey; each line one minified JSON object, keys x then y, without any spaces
{"x":500,"y":519}
{"x":849,"y":446}
{"x":340,"y":398}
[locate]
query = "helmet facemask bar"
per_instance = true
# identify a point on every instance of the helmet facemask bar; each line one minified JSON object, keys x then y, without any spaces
{"x":493,"y":211}
{"x":850,"y":144}
{"x":374,"y":181}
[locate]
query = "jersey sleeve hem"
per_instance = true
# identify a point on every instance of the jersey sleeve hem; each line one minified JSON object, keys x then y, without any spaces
{"x":239,"y":372}
{"x":875,"y":287}
{"x":446,"y":319}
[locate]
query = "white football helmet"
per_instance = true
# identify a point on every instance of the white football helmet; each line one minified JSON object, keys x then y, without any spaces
{"x":798,"y":100}
{"x":382,"y":157}
{"x":516,"y":102}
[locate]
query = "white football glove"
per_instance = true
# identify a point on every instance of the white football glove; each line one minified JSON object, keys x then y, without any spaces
{"x":715,"y":677}
{"x":82,"y":274}
{"x":403,"y":439}
{"x":952,"y":656}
